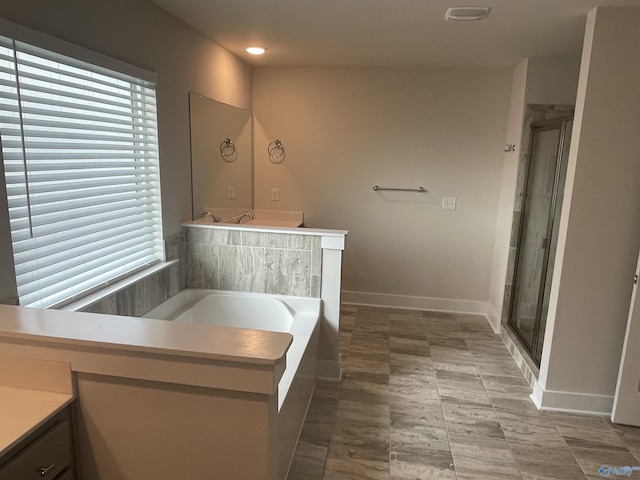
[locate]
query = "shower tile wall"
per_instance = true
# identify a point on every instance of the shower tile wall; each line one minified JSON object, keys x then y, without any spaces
{"x":258,"y":262}
{"x":137,"y":299}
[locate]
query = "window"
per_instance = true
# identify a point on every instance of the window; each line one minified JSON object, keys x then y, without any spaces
{"x":80,"y":156}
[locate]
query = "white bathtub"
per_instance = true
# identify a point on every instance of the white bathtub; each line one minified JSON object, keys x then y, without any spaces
{"x":280,"y":313}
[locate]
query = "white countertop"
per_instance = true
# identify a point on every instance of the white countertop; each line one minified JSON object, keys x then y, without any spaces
{"x":333,"y":239}
{"x":145,"y":349}
{"x":142,"y":335}
{"x":31,"y":392}
{"x":23,"y":410}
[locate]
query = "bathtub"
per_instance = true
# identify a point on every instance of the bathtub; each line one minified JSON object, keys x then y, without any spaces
{"x":298,"y":316}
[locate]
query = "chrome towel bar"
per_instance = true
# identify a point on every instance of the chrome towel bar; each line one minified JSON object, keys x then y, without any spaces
{"x":377,"y":188}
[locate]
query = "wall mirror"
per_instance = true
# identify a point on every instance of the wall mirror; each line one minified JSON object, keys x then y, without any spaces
{"x":221,"y":167}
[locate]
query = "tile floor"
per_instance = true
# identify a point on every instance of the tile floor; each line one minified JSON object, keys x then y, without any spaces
{"x":437,"y":396}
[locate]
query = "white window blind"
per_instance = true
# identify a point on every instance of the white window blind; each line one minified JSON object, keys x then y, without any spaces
{"x":80,"y":155}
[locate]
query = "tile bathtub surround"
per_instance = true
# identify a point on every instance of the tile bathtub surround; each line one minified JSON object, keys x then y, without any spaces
{"x":437,"y":396}
{"x":137,"y":299}
{"x":260,"y":262}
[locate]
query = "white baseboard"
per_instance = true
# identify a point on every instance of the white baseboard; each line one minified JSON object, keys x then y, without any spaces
{"x":571,"y":402}
{"x":450,"y":305}
{"x":494,"y":318}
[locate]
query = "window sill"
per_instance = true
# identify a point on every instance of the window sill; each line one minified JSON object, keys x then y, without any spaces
{"x":117,"y":286}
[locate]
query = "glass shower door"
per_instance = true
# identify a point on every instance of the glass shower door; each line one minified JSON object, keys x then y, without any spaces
{"x":538,"y":233}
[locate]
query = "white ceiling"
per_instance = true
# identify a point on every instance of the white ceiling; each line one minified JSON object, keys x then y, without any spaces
{"x":389,"y":32}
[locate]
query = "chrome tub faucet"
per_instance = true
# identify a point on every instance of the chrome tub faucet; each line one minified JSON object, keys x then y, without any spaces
{"x":213,"y":217}
{"x":244,"y":215}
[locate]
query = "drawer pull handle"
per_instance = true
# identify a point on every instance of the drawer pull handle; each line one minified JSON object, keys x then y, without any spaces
{"x":44,"y":471}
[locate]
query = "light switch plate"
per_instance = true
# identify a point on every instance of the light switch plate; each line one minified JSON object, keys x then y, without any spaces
{"x":449,"y":203}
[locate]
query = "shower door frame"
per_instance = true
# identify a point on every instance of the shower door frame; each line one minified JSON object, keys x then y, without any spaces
{"x":553,"y":216}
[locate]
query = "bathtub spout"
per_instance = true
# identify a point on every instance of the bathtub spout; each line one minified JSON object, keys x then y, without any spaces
{"x":244,"y":215}
{"x":213,"y":217}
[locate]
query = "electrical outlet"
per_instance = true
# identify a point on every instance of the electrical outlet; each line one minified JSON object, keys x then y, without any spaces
{"x":231,"y":193}
{"x":275,"y":194}
{"x":448,"y":203}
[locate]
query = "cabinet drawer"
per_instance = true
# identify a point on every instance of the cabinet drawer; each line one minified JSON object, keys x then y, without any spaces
{"x":49,"y":453}
{"x":68,"y":475}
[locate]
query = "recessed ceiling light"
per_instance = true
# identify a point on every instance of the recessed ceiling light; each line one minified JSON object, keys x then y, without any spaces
{"x":256,"y":50}
{"x":467,"y":13}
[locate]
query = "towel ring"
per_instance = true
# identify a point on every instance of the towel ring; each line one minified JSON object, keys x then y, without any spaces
{"x":276,"y":151}
{"x":228,"y":150}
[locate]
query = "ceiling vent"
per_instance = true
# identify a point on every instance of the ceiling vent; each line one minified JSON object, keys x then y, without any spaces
{"x":467,"y":14}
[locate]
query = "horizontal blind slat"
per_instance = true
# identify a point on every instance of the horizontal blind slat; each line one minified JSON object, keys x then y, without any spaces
{"x":83,"y":278}
{"x":90,"y":148}
{"x":120,"y":233}
{"x":50,"y":166}
{"x":14,"y":156}
{"x":94,"y":283}
{"x":22,"y":238}
{"x":87,"y":222}
{"x":122,"y":92}
{"x":14,"y":184}
{"x":52,"y":265}
{"x":47,"y":278}
{"x":57,"y":124}
{"x":96,"y":196}
{"x":34,"y":114}
{"x":47,"y":106}
{"x":35,"y":134}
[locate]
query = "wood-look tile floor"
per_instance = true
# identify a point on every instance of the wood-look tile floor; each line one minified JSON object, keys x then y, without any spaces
{"x":437,"y":396}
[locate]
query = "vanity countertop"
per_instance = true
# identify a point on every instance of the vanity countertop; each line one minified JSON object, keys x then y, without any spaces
{"x":31,"y":392}
{"x":23,"y":410}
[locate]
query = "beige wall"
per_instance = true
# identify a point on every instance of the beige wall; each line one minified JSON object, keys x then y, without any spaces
{"x":507,"y":194}
{"x":347,"y":129}
{"x":600,"y":233}
{"x":553,"y":80}
{"x":139,"y":33}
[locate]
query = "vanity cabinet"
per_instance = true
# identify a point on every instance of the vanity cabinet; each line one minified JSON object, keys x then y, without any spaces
{"x":46,"y":453}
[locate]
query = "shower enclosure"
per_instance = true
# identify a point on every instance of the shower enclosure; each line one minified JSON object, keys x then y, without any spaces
{"x":544,"y":188}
